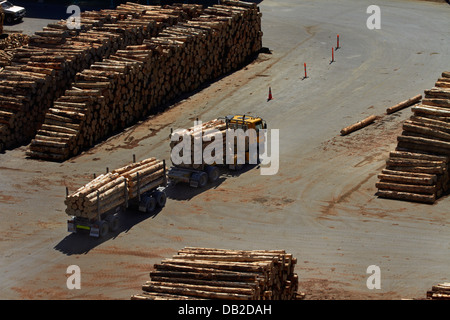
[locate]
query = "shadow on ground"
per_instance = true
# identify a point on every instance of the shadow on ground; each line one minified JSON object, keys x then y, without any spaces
{"x":82,"y":243}
{"x":183,"y":192}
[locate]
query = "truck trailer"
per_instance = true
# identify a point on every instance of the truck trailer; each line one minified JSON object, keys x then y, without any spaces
{"x":197,"y":175}
{"x":96,"y":206}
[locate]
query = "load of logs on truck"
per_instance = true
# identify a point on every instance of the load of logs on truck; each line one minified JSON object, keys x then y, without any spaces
{"x":95,"y":207}
{"x":418,"y":170}
{"x":196,"y":172}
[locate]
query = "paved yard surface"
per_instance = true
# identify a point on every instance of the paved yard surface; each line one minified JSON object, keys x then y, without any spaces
{"x":320,"y":206}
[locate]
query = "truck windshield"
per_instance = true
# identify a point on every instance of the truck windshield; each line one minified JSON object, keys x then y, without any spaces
{"x":7,"y":5}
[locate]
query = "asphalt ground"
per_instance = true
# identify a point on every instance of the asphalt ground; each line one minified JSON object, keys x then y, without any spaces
{"x":320,"y":205}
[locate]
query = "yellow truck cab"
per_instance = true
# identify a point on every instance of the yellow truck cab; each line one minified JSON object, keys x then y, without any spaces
{"x":246,"y":122}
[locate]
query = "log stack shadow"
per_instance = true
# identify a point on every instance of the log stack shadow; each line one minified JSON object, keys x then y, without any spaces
{"x":418,"y":169}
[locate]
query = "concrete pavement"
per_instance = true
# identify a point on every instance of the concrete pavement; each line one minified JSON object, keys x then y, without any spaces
{"x":320,"y":206}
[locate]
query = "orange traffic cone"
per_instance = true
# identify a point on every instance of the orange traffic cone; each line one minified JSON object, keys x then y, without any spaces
{"x":270,"y":94}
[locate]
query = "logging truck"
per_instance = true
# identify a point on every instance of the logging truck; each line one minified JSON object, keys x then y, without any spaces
{"x":113,"y":193}
{"x":198,"y":175}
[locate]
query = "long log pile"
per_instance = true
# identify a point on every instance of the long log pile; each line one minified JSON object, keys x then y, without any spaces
{"x":207,"y":273}
{"x":44,"y":69}
{"x":440,"y":291}
{"x":36,"y":75}
{"x":115,"y":188}
{"x":419,"y":168}
{"x":115,"y":92}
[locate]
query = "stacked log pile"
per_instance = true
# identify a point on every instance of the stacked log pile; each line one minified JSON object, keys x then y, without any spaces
{"x":14,"y":40}
{"x":440,"y":291}
{"x":112,"y":189}
{"x":418,"y":169}
{"x":242,"y":39}
{"x":114,"y":93}
{"x":41,"y":71}
{"x":207,"y":273}
{"x":35,"y":76}
{"x":7,"y":45}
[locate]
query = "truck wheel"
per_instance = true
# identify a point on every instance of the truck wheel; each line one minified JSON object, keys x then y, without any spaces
{"x":199,"y":179}
{"x":104,"y":229}
{"x":213,"y":173}
{"x":114,"y":223}
{"x":151,"y":204}
{"x":202,"y":179}
{"x":161,"y":198}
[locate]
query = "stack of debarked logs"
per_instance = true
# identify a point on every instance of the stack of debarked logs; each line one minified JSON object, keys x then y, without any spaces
{"x":114,"y":93}
{"x":440,"y":291}
{"x":7,"y":45}
{"x":418,"y":169}
{"x":210,"y":273}
{"x":40,"y":72}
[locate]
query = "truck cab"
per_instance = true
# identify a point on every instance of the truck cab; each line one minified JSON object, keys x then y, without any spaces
{"x":245,"y":122}
{"x":12,"y":12}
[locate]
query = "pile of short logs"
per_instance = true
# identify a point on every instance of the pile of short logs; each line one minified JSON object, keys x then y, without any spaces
{"x":139,"y":79}
{"x":440,"y":291}
{"x":14,"y":40}
{"x":208,"y":273}
{"x":5,"y":58}
{"x":418,"y":169}
{"x":115,"y":188}
{"x":40,"y":72}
